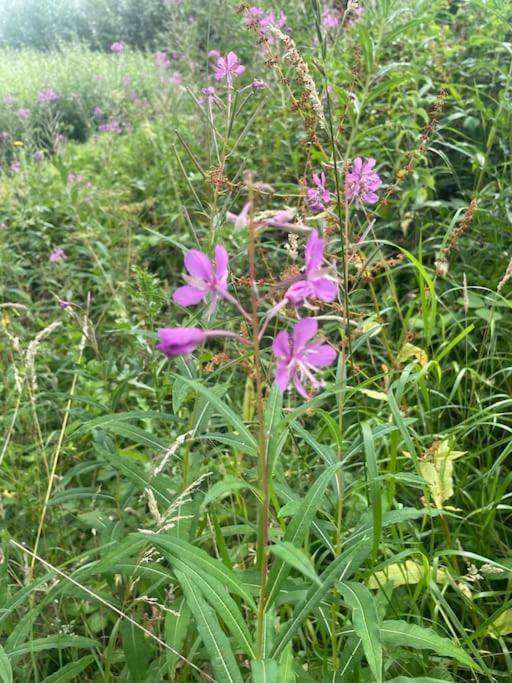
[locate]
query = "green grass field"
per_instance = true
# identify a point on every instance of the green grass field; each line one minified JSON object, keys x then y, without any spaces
{"x":180,"y":516}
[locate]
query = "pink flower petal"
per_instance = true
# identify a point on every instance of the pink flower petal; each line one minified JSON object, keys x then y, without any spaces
{"x":281,"y":345}
{"x":300,"y":388}
{"x":188,"y":296}
{"x":325,"y":289}
{"x":314,"y":252}
{"x":221,"y":264}
{"x":282,"y":376}
{"x":321,"y":355}
{"x":303,"y":331}
{"x":198,"y":264}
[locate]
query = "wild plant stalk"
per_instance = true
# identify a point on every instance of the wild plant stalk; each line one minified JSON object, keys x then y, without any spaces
{"x":263,"y":531}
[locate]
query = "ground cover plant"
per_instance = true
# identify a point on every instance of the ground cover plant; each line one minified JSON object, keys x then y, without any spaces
{"x":255,"y":338}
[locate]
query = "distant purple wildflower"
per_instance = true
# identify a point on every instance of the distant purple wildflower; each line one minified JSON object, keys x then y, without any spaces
{"x":203,"y":279}
{"x":47,"y":96}
{"x":315,"y":284}
{"x":228,"y":67}
{"x":299,"y":360}
{"x":162,"y":60}
{"x":38,"y":155}
{"x":117,"y":47}
{"x":4,"y":135}
{"x":111,"y":127}
{"x":23,"y":113}
{"x":318,"y":197}
{"x":75,"y":178}
{"x":362,"y":181}
{"x":15,"y":167}
{"x":9,"y":100}
{"x":3,"y":226}
{"x":330,"y":20}
{"x":176,"y":78}
{"x":213,"y":54}
{"x":64,"y":303}
{"x":258,"y":84}
{"x":57,"y":254}
{"x":98,"y":111}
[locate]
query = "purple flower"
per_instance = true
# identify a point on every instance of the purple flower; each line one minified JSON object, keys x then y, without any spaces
{"x":240,"y":220}
{"x":47,"y":96}
{"x":9,"y":100}
{"x":318,"y":197}
{"x":38,"y":156}
{"x":265,"y":19}
{"x":3,"y":226}
{"x":315,"y":284}
{"x":98,"y":111}
{"x":362,"y":181}
{"x":4,"y":135}
{"x":258,"y":84}
{"x":228,"y":67}
{"x":330,"y":20}
{"x":57,"y":254}
{"x":75,"y":178}
{"x":64,"y":303}
{"x":15,"y":167}
{"x":297,"y":361}
{"x":176,"y":78}
{"x":270,"y":20}
{"x":162,"y":61}
{"x":111,"y":127}
{"x":204,"y":280}
{"x":179,"y":341}
{"x":213,"y":54}
{"x":117,"y":47}
{"x":23,"y":113}
{"x":211,"y":94}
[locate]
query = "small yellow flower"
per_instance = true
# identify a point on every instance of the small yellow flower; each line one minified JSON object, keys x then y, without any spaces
{"x":18,"y":143}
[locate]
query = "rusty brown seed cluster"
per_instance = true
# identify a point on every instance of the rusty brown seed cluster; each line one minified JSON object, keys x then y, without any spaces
{"x":442,"y":260}
{"x":413,"y":155}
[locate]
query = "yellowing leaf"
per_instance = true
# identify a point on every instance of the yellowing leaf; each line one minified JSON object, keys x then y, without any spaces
{"x":410,"y":351}
{"x":502,"y":625}
{"x":403,"y":573}
{"x":377,"y":395}
{"x":437,"y":469}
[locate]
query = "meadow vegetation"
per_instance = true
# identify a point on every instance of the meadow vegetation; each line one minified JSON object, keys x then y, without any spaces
{"x":188,"y":491}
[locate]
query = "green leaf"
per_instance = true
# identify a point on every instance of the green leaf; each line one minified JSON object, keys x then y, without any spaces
{"x":341,"y":568}
{"x":176,"y":626}
{"x":286,"y":672}
{"x":70,"y":672}
{"x":5,"y":667}
{"x":374,"y":484}
{"x":420,"y":679}
{"x":350,"y":658}
{"x":203,"y":563}
{"x":227,"y":486}
{"x":221,"y":655}
{"x":296,"y":558}
{"x":400,"y":633}
{"x":221,"y":601}
{"x":264,"y":671}
{"x":56,"y":642}
{"x":226,"y":412}
{"x":365,"y":620}
{"x":137,"y":650}
{"x":298,"y":527}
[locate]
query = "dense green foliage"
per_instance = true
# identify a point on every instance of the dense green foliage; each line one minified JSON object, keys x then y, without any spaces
{"x":135,"y":479}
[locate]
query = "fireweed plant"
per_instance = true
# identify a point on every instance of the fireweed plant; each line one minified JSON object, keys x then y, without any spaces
{"x":308,"y":480}
{"x":279,"y":333}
